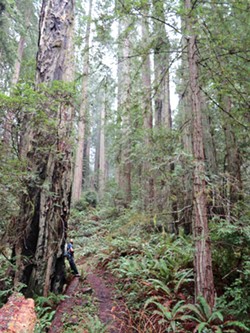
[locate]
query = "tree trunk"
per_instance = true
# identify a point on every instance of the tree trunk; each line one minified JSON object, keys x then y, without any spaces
{"x":163,"y":115}
{"x":233,"y":162}
{"x":185,"y":108}
{"x":161,"y":69}
{"x":124,"y":101}
{"x":148,"y":180}
{"x":78,"y":169}
{"x":102,"y":163}
{"x":204,"y":283}
{"x":42,"y":223}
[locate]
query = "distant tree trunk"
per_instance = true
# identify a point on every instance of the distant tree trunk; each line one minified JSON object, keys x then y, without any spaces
{"x":78,"y":169}
{"x":232,"y":162}
{"x":209,"y":143}
{"x":185,"y":108}
{"x":161,"y":68}
{"x":15,"y":78}
{"x":124,"y":101}
{"x":86,"y":168}
{"x":204,"y":283}
{"x":42,"y":222}
{"x":163,"y":114}
{"x":97,"y":155}
{"x":102,"y":164}
{"x":147,"y":177}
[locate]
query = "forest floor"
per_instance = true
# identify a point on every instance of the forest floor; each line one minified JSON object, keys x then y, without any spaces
{"x":92,"y":303}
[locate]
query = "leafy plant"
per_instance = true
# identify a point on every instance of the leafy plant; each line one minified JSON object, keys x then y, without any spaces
{"x":46,"y":309}
{"x":170,"y":315}
{"x":208,"y":320}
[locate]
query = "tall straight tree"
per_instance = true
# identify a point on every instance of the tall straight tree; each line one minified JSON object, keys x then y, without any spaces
{"x":102,"y":163}
{"x":148,"y":181}
{"x":186,"y":126}
{"x":161,"y":67}
{"x":27,"y":12}
{"x":42,"y":222}
{"x":204,"y":282}
{"x":78,"y":169}
{"x":124,"y":104}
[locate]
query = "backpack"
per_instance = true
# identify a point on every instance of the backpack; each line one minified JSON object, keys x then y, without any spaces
{"x":65,"y":254}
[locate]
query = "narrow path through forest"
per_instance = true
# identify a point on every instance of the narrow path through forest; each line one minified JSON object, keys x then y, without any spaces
{"x":98,"y":289}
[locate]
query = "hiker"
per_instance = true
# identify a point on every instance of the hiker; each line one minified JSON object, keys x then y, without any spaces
{"x":70,"y":257}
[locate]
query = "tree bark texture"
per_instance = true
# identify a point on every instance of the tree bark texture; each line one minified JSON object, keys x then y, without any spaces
{"x":42,"y":222}
{"x":78,"y":168}
{"x":204,"y":283}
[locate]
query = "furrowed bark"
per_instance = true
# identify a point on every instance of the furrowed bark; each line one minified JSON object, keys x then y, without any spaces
{"x":204,"y":282}
{"x":45,"y":206}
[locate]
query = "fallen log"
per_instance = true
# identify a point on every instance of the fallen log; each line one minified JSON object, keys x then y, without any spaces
{"x":18,"y":315}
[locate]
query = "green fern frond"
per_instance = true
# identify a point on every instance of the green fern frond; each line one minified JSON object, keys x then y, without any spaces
{"x":151,"y":300}
{"x":237,"y":324}
{"x":193,"y":308}
{"x":160,"y":285}
{"x":184,"y":278}
{"x":200,"y":327}
{"x":205,"y":307}
{"x":216,"y":315}
{"x":178,"y":308}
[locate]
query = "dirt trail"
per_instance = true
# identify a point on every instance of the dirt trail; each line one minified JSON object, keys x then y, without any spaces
{"x":111,"y":308}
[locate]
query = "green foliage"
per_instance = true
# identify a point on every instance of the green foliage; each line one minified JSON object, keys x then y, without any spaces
{"x":170,"y":315}
{"x":232,"y":265}
{"x":236,"y":299}
{"x":89,"y":199}
{"x":45,"y":310}
{"x":6,"y":286}
{"x":210,"y":320}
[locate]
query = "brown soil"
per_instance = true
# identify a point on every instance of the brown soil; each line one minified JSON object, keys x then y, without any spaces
{"x":101,"y":284}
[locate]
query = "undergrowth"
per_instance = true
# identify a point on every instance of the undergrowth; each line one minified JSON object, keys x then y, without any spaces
{"x":155,"y":271}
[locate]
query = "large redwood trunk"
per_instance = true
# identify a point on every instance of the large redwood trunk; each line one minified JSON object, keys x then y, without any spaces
{"x":204,"y":283}
{"x":42,"y":222}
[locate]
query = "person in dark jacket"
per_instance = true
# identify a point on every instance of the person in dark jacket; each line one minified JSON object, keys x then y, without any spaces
{"x":70,"y":257}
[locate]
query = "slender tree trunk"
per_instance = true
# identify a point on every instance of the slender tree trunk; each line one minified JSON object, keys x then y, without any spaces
{"x":148,"y":180}
{"x":233,"y":162}
{"x":161,"y":69}
{"x":15,"y":78}
{"x":204,"y":283}
{"x":185,"y":108}
{"x":78,"y":169}
{"x":124,"y":101}
{"x":42,"y":223}
{"x":98,"y":149}
{"x":86,"y":160}
{"x":102,"y":167}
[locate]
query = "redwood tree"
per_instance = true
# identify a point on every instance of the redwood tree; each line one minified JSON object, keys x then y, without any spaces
{"x":42,"y":222}
{"x":78,"y":168}
{"x":204,"y":283}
